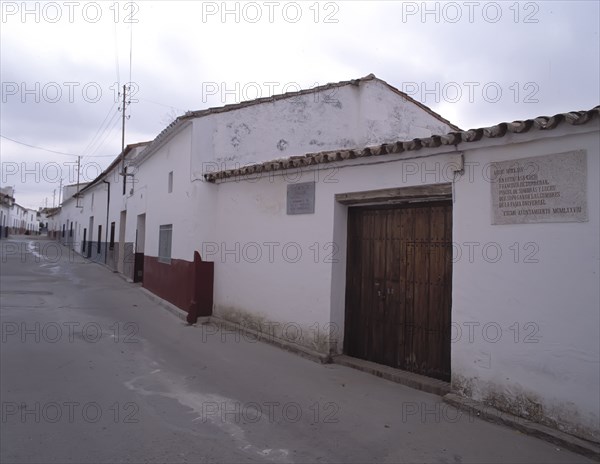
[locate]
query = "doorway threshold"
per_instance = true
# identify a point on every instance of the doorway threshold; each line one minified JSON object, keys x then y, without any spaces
{"x":410,"y":379}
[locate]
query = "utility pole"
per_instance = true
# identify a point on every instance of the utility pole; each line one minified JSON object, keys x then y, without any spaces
{"x":123,"y":144}
{"x":54,"y":198}
{"x":59,"y":191}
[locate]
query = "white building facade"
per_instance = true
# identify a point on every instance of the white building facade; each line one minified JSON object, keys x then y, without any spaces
{"x":350,"y":219}
{"x":7,"y":201}
{"x":520,"y":297}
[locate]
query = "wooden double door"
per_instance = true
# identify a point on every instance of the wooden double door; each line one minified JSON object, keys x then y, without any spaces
{"x":399,"y":286}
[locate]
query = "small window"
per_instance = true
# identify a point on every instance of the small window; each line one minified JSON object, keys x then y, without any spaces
{"x":165,"y":236}
{"x":63,"y":231}
{"x":170,"y":183}
{"x":111,"y":246}
{"x":99,"y":239}
{"x":71,"y":230}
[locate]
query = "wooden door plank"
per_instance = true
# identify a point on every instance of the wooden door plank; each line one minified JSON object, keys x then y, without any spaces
{"x":424,"y":290}
{"x":377,"y":314}
{"x":436,"y":279}
{"x":390,"y":336}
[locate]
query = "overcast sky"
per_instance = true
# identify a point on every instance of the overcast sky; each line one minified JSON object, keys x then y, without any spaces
{"x":476,"y":63}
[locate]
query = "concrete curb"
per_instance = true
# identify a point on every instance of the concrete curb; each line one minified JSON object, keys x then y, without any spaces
{"x":556,"y":437}
{"x":409,"y":379}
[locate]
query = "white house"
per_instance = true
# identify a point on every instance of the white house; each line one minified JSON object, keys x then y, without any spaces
{"x":52,"y":221}
{"x":14,"y":218}
{"x":21,"y":220}
{"x":471,"y":257}
{"x":17,"y":219}
{"x":7,"y":201}
{"x":350,"y":219}
{"x":32,"y":224}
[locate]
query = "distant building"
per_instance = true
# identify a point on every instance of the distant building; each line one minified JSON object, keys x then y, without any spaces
{"x":7,"y":201}
{"x":14,"y":218}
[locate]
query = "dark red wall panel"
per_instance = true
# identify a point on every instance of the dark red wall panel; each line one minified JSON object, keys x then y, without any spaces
{"x":172,"y":282}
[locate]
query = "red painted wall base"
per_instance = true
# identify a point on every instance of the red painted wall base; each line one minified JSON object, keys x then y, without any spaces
{"x":187,"y":285}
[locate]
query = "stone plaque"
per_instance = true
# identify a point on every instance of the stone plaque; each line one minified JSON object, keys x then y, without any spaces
{"x":301,"y":198}
{"x":548,"y":188}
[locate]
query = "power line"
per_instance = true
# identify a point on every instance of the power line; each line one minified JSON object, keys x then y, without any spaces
{"x":92,"y":140}
{"x":99,"y":138}
{"x":162,"y":104}
{"x":47,"y":149}
{"x":115,"y":121}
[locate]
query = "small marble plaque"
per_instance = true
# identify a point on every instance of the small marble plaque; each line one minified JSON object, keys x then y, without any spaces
{"x":301,"y":198}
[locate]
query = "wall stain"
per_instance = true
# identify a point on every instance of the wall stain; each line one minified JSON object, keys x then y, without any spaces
{"x":282,"y":144}
{"x":315,"y":337}
{"x":528,"y":405}
{"x":239,"y":131}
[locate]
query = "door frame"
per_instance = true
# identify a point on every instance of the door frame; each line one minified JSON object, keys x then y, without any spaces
{"x":140,"y":245}
{"x":381,"y":198}
{"x":121,"y":252}
{"x":90,"y":238}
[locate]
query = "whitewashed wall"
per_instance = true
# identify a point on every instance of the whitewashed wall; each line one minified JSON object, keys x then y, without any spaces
{"x":32,"y":223}
{"x":189,"y":207}
{"x":545,"y":299}
{"x":291,"y":268}
{"x":93,"y":202}
{"x":342,"y":117}
{"x":5,"y":221}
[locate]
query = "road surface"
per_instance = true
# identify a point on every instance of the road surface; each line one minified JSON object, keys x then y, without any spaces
{"x":92,"y":370}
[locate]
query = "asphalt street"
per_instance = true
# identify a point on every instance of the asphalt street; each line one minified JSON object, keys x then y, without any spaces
{"x":92,"y":370}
